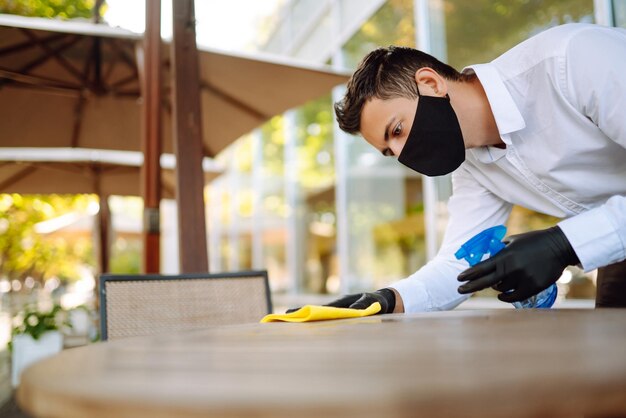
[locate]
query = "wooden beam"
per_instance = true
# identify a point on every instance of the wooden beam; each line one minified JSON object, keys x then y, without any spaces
{"x":187,"y":134}
{"x":104,"y":219}
{"x":150,"y":68}
{"x":104,"y":225}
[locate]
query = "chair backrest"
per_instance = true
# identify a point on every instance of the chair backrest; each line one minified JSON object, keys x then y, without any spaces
{"x":132,"y":305}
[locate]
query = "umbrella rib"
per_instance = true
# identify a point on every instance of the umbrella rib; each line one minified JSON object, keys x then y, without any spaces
{"x":124,"y":81}
{"x":125,"y":58}
{"x":129,"y":93}
{"x":78,"y":121}
{"x":62,"y":61}
{"x":38,"y":61}
{"x":96,"y":53}
{"x":28,"y":44}
{"x":35,"y":63}
{"x":237,"y":103}
{"x":30,"y":80}
{"x":20,"y":175}
{"x":111,"y":66}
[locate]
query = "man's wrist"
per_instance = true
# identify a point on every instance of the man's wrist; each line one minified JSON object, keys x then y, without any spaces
{"x":399,"y":308}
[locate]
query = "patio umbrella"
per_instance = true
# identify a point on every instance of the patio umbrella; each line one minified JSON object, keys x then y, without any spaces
{"x":75,"y":84}
{"x":77,"y":171}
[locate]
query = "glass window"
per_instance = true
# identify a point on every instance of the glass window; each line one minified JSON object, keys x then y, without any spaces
{"x":480,"y":31}
{"x":384,"y":199}
{"x":386,"y":238}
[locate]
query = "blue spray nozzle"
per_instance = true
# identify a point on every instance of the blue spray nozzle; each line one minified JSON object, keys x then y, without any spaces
{"x":488,"y":241}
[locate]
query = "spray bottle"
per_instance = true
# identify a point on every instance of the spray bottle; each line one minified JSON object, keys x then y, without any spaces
{"x":490,"y":242}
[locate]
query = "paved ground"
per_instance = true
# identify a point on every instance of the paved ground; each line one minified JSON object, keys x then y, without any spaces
{"x":5,"y":376}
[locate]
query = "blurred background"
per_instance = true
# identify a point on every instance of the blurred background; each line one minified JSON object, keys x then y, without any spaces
{"x":322,"y":211}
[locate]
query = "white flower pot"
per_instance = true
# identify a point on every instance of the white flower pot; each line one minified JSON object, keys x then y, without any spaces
{"x":27,"y":350}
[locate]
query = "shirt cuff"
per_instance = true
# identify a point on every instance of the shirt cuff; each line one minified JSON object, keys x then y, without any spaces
{"x":594,"y":238}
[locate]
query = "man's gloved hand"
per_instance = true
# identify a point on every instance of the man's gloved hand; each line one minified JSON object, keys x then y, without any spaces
{"x":385,"y":297}
{"x":528,"y":264}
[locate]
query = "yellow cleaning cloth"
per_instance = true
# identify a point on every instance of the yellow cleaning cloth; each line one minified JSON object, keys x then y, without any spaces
{"x":310,"y":313}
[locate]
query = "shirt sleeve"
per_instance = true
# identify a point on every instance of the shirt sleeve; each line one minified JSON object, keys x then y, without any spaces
{"x":598,"y":236}
{"x":596,"y":85}
{"x":472,"y":208}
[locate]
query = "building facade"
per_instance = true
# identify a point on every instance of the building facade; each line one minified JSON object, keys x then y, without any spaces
{"x":323,"y":211}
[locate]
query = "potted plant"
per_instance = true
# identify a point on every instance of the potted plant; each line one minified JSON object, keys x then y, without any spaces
{"x":36,"y":335}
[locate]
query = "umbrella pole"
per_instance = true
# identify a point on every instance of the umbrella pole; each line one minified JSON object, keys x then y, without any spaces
{"x":187,"y":134}
{"x":104,"y":225}
{"x":150,"y":69}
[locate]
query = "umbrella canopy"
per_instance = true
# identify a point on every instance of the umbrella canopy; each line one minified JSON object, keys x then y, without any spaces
{"x":74,"y":171}
{"x":76,"y":84}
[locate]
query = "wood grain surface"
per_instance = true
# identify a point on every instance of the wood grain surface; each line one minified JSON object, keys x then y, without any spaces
{"x":501,"y":363}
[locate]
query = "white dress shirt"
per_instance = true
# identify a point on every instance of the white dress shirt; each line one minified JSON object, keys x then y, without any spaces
{"x":559,"y":101}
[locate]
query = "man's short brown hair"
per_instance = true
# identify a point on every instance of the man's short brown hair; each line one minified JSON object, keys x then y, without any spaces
{"x":385,"y":73}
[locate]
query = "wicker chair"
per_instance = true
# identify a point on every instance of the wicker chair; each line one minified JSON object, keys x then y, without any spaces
{"x":133,"y":305}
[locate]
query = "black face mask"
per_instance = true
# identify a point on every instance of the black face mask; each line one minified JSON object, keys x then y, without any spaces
{"x":435,"y":144}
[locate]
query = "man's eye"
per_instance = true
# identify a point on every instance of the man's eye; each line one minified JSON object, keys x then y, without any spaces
{"x":397,"y":130}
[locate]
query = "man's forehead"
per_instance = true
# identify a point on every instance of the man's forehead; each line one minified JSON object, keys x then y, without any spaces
{"x":377,"y":113}
{"x":394,"y":105}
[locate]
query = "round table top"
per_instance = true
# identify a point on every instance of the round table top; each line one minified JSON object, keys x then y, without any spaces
{"x":513,"y":363}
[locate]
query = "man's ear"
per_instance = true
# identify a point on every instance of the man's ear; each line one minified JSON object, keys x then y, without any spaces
{"x":430,"y":83}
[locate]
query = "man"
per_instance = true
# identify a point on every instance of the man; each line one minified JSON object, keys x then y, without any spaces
{"x":543,"y":126}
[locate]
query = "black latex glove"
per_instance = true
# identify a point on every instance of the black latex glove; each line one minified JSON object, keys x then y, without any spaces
{"x":528,"y":264}
{"x":385,"y":297}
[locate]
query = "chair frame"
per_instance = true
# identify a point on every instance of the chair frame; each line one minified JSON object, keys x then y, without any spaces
{"x":108,"y":277}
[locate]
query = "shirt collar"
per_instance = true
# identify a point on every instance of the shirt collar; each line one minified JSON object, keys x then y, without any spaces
{"x":505,"y":111}
{"x":507,"y":115}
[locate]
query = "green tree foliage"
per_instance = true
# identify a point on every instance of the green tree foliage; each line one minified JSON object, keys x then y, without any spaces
{"x":64,"y":9}
{"x":126,"y":256}
{"x":24,"y":252}
{"x":391,"y":25}
{"x":480,"y":30}
{"x":273,"y":139}
{"x":314,"y":132}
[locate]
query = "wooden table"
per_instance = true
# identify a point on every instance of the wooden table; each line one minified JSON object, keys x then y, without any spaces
{"x":503,"y":363}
